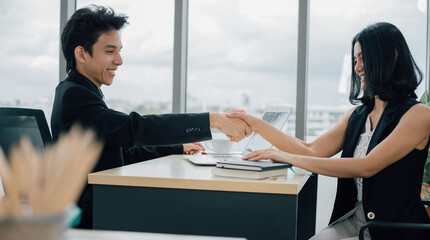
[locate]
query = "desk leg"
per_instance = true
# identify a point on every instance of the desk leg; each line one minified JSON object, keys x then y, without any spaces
{"x":198,"y":212}
{"x":307,"y":206}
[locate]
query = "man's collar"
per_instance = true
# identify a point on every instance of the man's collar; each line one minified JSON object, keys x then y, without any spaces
{"x":75,"y":76}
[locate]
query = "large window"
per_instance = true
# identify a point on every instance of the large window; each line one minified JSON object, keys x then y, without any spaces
{"x":29,"y":48}
{"x":241,"y":54}
{"x":144,"y":82}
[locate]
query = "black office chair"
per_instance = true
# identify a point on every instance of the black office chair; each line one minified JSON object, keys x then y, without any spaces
{"x":18,"y":122}
{"x":421,"y":226}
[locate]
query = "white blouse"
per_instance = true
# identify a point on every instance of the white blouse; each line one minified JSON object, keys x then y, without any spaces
{"x":360,"y":152}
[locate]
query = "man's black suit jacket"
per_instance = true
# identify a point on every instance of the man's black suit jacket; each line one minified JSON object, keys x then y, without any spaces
{"x":127,"y":138}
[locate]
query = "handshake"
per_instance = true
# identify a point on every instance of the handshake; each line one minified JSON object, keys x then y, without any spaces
{"x":236,"y":124}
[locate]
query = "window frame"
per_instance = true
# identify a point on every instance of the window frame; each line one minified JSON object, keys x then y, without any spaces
{"x":179,"y":93}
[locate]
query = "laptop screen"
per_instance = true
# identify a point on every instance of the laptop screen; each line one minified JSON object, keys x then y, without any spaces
{"x":275,"y":116}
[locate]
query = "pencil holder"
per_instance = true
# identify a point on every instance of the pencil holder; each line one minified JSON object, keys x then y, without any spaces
{"x":49,"y":227}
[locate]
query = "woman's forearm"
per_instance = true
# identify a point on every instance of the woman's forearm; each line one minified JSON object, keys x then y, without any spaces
{"x":283,"y":141}
{"x":333,"y":167}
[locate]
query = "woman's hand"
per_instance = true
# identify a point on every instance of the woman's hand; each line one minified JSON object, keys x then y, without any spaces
{"x":193,"y":148}
{"x":234,"y":128}
{"x":272,"y":154}
{"x":252,"y":121}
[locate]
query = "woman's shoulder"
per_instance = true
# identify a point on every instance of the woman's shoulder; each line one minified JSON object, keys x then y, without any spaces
{"x":349,"y":113}
{"x":419,"y":109}
{"x":416,"y":122}
{"x":418,"y":114}
{"x":357,"y":110}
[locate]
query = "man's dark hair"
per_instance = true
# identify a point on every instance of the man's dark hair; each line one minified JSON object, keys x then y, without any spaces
{"x":85,"y":27}
{"x":389,"y":68}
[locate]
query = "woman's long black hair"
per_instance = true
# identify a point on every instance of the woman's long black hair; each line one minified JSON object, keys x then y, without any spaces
{"x":389,"y":68}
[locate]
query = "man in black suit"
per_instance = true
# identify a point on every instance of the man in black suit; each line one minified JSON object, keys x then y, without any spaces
{"x":91,"y":44}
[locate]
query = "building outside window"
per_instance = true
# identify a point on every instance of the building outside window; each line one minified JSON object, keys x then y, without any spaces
{"x":242,"y":54}
{"x":29,"y":46}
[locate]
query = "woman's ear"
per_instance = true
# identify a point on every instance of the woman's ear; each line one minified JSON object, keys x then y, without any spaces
{"x":396,"y":54}
{"x":80,"y":54}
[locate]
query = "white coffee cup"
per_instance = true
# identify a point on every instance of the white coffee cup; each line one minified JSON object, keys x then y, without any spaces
{"x":219,"y":145}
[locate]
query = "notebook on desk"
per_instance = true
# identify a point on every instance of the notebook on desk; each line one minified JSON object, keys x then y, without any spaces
{"x":275,"y":116}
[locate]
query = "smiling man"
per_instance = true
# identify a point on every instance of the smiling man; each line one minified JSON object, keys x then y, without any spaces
{"x":100,"y":66}
{"x":91,"y":44}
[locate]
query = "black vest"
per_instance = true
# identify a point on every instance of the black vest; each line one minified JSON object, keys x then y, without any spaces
{"x":392,"y":194}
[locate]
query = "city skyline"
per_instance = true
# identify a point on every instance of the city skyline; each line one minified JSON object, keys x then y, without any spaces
{"x":254,"y":58}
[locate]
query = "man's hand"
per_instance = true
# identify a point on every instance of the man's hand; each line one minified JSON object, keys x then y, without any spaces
{"x":235,"y":128}
{"x":251,"y":121}
{"x":193,"y":148}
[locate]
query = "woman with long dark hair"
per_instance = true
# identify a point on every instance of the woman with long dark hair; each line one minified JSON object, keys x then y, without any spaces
{"x":384,"y":141}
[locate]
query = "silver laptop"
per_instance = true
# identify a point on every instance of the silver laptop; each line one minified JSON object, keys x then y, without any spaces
{"x":275,"y":116}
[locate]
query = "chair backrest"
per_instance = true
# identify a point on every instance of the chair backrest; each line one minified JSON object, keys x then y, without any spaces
{"x":18,"y":122}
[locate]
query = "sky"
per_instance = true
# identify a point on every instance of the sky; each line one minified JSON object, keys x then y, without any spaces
{"x":239,"y":50}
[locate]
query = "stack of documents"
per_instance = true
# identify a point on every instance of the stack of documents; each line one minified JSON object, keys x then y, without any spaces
{"x":249,"y":169}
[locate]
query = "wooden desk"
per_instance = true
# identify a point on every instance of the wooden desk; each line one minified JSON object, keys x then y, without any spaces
{"x":172,"y":195}
{"x":79,"y":234}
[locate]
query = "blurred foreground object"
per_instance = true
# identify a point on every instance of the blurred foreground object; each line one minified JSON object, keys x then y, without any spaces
{"x":41,"y":188}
